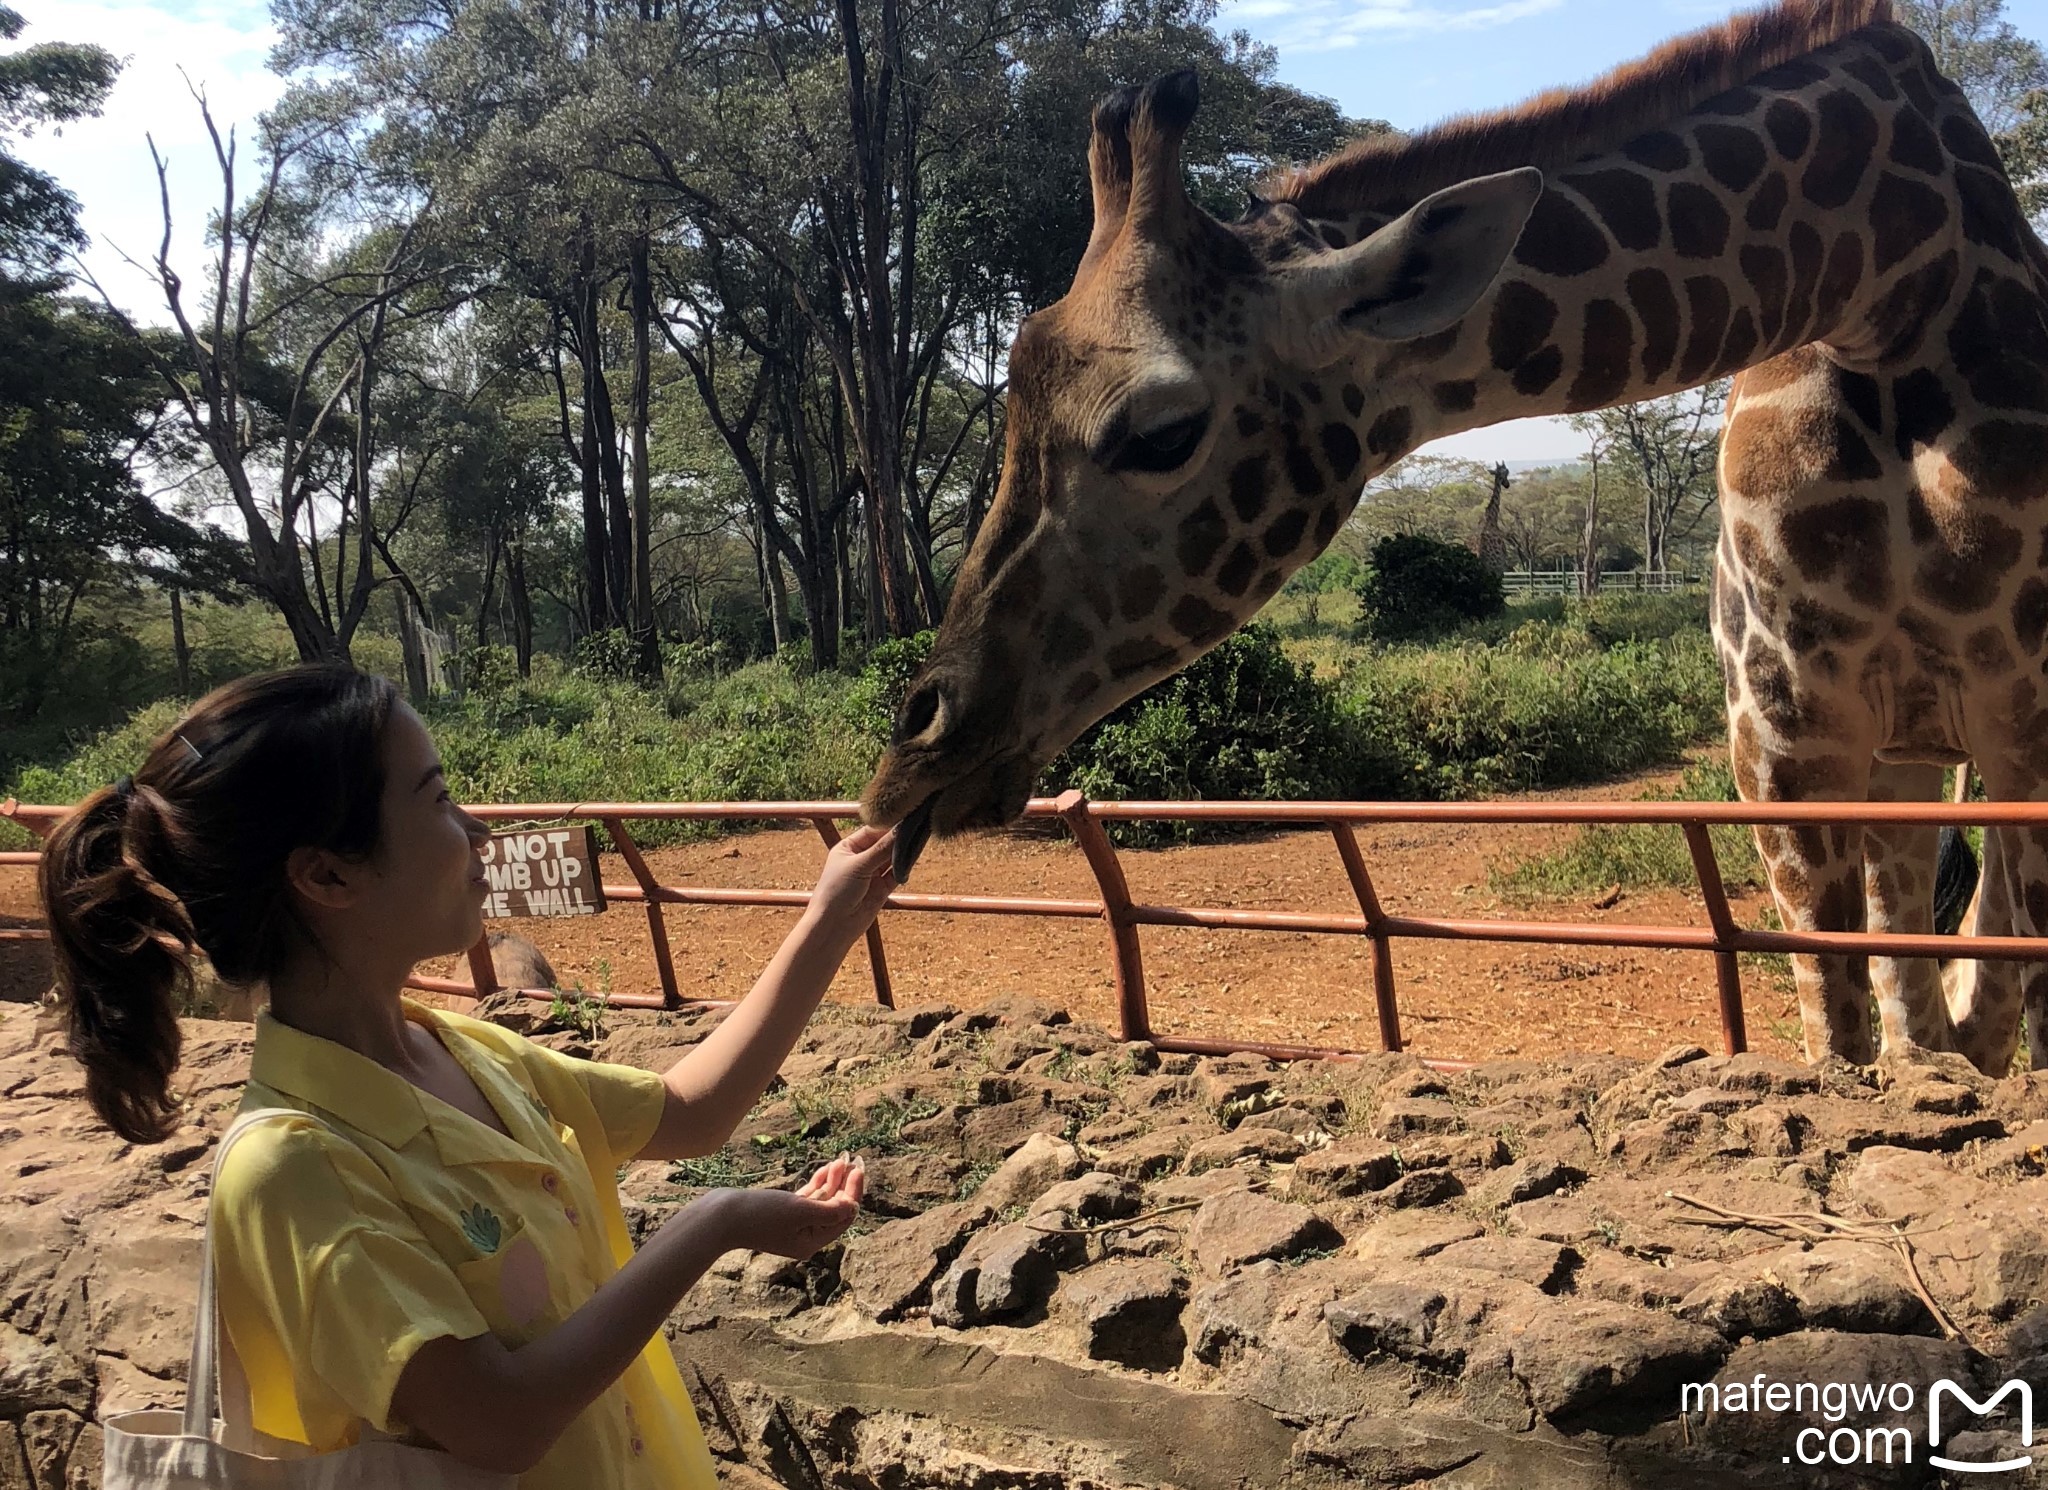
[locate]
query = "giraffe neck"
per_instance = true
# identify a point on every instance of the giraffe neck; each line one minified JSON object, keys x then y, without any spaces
{"x":1837,"y":199}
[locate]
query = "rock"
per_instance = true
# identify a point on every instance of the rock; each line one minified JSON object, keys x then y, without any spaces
{"x":910,"y":1183}
{"x":1153,"y":1154}
{"x":1234,"y":1315}
{"x":1410,"y":1236}
{"x":1422,"y":1187}
{"x":1852,"y":1287}
{"x":1938,"y":1096}
{"x":997,"y":1132}
{"x":892,"y":1268}
{"x":1232,"y":1078}
{"x":1042,"y":1161}
{"x":1576,"y":1357}
{"x":1232,"y":1230}
{"x":1477,"y":1151}
{"x":1621,"y":1279}
{"x":1130,"y":1312}
{"x":1090,"y":1197}
{"x":1350,"y":1166}
{"x":1737,"y":1307}
{"x":1414,"y":1115}
{"x":46,"y":1440}
{"x":1397,"y":1319}
{"x":35,"y":1376}
{"x":1267,"y":1145}
{"x":2011,"y":1272}
{"x":1001,"y":1273}
{"x":1771,"y":1129}
{"x":1764,"y":1075}
{"x":1679,"y":1055}
{"x":1526,"y":1179}
{"x":1767,"y":1434}
{"x":1542,"y":1265}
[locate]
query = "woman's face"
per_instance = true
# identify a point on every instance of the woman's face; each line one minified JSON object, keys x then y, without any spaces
{"x":427,"y":884}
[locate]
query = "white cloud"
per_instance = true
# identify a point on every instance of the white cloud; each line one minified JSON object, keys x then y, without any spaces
{"x":221,"y":46}
{"x":1325,"y":24}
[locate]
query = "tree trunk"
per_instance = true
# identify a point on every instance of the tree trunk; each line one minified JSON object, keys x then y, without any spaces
{"x":522,"y":606}
{"x":179,"y":649}
{"x":1589,"y":538}
{"x":483,"y":605}
{"x":410,"y":644}
{"x":643,"y":503}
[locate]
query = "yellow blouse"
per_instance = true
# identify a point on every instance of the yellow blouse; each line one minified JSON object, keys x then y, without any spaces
{"x":344,"y":1248}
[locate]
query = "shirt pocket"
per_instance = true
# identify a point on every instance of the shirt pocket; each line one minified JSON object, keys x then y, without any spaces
{"x":513,"y":1287}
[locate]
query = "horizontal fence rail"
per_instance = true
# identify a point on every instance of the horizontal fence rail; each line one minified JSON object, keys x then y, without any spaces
{"x":1721,"y":938}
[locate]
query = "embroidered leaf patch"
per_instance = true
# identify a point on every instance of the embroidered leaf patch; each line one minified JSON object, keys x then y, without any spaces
{"x":483,"y":1228}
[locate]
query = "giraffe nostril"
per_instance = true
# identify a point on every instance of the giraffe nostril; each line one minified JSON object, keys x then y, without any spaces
{"x":919,"y":714}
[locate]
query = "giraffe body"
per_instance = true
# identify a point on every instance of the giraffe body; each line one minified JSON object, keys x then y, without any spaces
{"x":1797,"y":198}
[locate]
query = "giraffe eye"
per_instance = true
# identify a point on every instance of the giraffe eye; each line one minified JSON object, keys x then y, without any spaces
{"x":1165,"y":449}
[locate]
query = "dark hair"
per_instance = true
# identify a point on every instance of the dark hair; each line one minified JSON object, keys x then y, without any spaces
{"x":189,"y":853}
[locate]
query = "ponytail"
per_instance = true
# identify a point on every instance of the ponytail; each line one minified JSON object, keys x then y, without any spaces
{"x":123,"y":950}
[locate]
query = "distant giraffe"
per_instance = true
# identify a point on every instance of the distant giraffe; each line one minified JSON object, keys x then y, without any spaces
{"x":1797,"y":196}
{"x":1490,"y":545}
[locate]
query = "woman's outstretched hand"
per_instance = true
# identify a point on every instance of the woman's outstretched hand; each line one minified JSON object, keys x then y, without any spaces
{"x":796,"y":1223}
{"x":857,"y":878}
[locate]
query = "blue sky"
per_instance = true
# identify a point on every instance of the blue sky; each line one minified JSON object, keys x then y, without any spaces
{"x":1410,"y":61}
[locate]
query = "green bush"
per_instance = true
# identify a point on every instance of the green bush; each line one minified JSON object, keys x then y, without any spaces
{"x":1418,"y":587}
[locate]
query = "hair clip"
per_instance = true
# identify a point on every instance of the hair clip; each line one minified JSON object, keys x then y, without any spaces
{"x":188,"y":745}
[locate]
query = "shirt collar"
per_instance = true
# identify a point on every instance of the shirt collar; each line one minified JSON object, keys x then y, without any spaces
{"x":382,"y":1104}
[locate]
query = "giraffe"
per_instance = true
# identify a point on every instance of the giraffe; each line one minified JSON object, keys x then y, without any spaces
{"x":1796,"y":197}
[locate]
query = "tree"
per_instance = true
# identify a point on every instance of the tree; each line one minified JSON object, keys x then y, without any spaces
{"x":2006,"y":76}
{"x":1666,"y":448}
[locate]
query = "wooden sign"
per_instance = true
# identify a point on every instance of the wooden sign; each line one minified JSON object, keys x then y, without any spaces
{"x":543,"y":872}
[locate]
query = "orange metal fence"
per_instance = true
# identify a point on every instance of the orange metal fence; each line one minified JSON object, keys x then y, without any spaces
{"x":1720,"y":937}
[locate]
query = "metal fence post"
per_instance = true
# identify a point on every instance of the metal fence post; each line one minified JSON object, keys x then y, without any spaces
{"x":1129,"y":961}
{"x":664,"y":963}
{"x":1727,"y":969}
{"x":483,"y":975}
{"x":1376,"y":929}
{"x":878,"y":964}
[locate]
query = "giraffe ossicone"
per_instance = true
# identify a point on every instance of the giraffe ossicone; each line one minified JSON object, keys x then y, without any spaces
{"x":1796,"y":197}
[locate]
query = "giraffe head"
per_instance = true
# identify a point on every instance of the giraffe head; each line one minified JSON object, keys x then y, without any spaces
{"x":1186,"y":427}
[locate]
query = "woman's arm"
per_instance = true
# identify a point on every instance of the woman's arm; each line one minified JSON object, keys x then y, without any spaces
{"x":502,"y":1409}
{"x":712,"y":1088}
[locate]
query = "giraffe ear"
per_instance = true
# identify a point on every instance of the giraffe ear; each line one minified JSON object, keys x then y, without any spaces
{"x":1417,"y":276}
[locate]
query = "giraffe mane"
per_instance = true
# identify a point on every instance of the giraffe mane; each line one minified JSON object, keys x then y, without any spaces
{"x":1562,"y":125}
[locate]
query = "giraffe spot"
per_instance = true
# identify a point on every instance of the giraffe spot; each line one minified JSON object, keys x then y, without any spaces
{"x":1741,"y":344}
{"x":1734,"y":157}
{"x":1269,"y":584}
{"x":1626,"y":202}
{"x":1248,"y":482}
{"x":1810,"y":625}
{"x":1865,"y":400}
{"x":1656,"y":306}
{"x":1795,"y":366}
{"x":1023,"y":582}
{"x":1082,"y":689}
{"x":1787,"y":77}
{"x":1891,"y":44}
{"x":1868,"y":72}
{"x":1962,"y":575}
{"x":1914,"y":84}
{"x":1560,"y":239}
{"x":1389,"y":432}
{"x":1967,"y":141}
{"x":1198,"y":620}
{"x":1729,"y":611}
{"x":1853,"y":459}
{"x":1916,"y":701}
{"x":1142,"y":655}
{"x":1139,"y":591}
{"x":1699,"y":223}
{"x":1986,"y":652}
{"x":1707,"y":304}
{"x":1922,"y":409}
{"x":1767,"y":207}
{"x":1354,"y":401}
{"x":1327,"y":523}
{"x":1770,"y":684}
{"x":1066,"y":641}
{"x":1801,"y":779}
{"x":1766,"y":271}
{"x":2036,"y":899}
{"x":1331,"y":235}
{"x":1808,"y":255}
{"x":1202,"y":533}
{"x":2005,"y":461}
{"x":1914,"y":145}
{"x":2030,"y":615}
{"x":1900,"y":319}
{"x":1999,"y":343}
{"x":1313,"y":392}
{"x":1522,"y":320}
{"x":1790,"y":128}
{"x":1841,"y":154}
{"x":1904,"y":216}
{"x":1847,"y":540}
{"x":1989,"y":216}
{"x":1284,"y":537}
{"x":1606,"y":356}
{"x":1537,"y":374}
{"x":1340,"y":449}
{"x":1838,"y":282}
{"x":1235,"y":577}
{"x":1759,"y":566}
{"x":1660,"y":150}
{"x":1303,"y":474}
{"x":1456,"y":398}
{"x":1734,"y":103}
{"x":1249,"y":422}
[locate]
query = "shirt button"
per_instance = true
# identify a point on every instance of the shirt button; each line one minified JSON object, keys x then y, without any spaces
{"x":548,"y":1182}
{"x":570,"y":1212}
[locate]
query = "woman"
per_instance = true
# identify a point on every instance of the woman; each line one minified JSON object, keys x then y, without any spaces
{"x":435,"y":1249}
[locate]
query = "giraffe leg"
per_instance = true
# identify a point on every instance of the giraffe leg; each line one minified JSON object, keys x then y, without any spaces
{"x":1985,"y":998}
{"x":1898,"y":885}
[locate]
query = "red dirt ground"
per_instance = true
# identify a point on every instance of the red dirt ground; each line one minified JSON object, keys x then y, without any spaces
{"x":1458,"y":1001}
